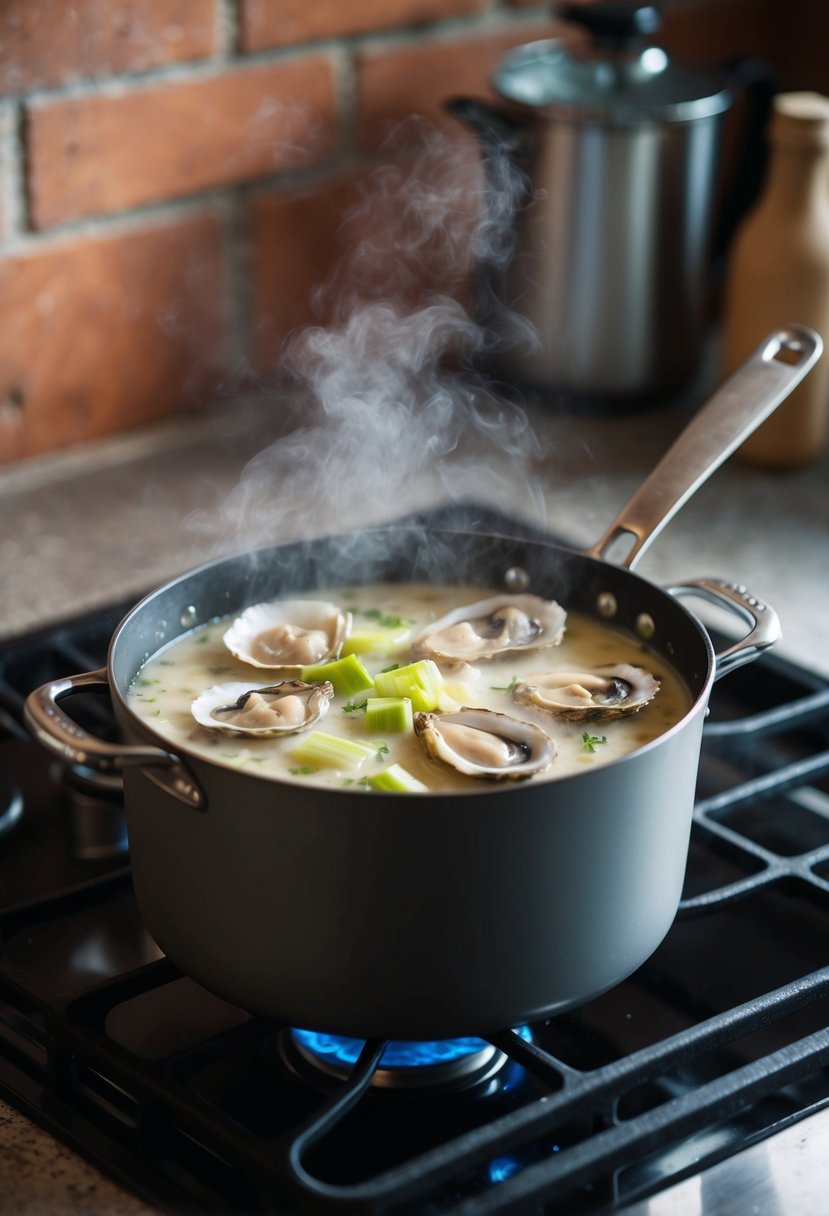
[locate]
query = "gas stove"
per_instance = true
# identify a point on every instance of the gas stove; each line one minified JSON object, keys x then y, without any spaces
{"x":719,"y":1041}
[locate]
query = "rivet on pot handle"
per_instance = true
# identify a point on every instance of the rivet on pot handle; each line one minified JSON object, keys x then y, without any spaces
{"x":738,"y":599}
{"x":736,"y":409}
{"x":65,"y":739}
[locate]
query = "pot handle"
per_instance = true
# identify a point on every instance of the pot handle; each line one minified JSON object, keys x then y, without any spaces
{"x":64,"y":738}
{"x":764,"y":620}
{"x":736,"y":409}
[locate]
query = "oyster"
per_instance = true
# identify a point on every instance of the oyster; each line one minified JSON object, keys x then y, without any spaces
{"x":278,"y":709}
{"x":590,"y":696}
{"x":288,"y":633}
{"x":497,"y":626}
{"x":483,"y":743}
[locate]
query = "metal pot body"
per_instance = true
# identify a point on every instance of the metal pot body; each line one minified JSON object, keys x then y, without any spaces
{"x":413,"y":916}
{"x":611,"y":256}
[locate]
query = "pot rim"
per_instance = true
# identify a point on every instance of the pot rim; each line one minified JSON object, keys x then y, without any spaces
{"x":196,"y":759}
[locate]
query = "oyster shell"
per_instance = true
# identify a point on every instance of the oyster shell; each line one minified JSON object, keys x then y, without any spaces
{"x":264,"y":711}
{"x":497,"y":626}
{"x":483,"y":743}
{"x":288,"y":634}
{"x":590,"y":696}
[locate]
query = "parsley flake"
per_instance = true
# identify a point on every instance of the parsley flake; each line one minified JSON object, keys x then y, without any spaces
{"x":591,"y":742}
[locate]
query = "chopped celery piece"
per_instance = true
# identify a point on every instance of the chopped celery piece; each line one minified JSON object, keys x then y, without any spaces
{"x":375,"y":641}
{"x":397,"y":779}
{"x":347,"y":675}
{"x":329,"y":751}
{"x":388,"y":714}
{"x":421,"y":682}
{"x":453,"y":696}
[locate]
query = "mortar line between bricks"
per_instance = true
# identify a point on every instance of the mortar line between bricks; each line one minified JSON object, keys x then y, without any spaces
{"x":14,"y":202}
{"x":169,"y":210}
{"x":346,"y":87}
{"x":227,"y":29}
{"x":238,"y":283}
{"x":481,"y":24}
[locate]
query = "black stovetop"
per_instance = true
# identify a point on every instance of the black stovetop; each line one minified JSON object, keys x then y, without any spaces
{"x":718,"y":1040}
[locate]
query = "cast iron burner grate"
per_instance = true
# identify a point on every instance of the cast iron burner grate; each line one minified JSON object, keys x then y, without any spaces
{"x":719,"y":1040}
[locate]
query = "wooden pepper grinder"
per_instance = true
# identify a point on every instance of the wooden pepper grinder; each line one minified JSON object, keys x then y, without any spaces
{"x":779,"y":272}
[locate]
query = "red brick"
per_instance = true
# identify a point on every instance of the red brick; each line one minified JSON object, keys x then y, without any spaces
{"x":48,"y":42}
{"x":102,"y":152}
{"x":397,"y":83}
{"x":106,"y":333}
{"x":265,"y":24}
{"x":295,"y":243}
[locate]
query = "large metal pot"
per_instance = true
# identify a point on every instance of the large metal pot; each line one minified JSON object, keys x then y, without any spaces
{"x":428,"y":916}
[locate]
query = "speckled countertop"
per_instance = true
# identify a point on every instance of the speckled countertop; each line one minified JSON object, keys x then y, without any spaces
{"x":109,"y":521}
{"x":106,"y":522}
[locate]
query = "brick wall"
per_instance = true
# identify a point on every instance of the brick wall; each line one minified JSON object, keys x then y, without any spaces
{"x":173,"y":173}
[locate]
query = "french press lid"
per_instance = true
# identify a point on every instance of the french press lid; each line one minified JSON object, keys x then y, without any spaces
{"x":619,"y":81}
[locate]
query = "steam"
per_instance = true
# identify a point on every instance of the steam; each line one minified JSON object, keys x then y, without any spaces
{"x":396,"y":416}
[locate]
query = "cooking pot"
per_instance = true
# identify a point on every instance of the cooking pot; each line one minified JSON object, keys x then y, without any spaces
{"x":612,"y":242}
{"x":428,"y":916}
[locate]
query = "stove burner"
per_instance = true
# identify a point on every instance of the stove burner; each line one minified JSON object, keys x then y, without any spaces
{"x":11,"y":804}
{"x":405,"y":1064}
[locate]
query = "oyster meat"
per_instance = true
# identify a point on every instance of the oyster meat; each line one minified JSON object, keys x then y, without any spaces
{"x":278,"y":709}
{"x":494,"y":627}
{"x":288,"y":634}
{"x":590,"y":696}
{"x":483,"y":743}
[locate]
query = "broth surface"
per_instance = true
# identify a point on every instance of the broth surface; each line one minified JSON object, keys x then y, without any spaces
{"x":170,"y":681}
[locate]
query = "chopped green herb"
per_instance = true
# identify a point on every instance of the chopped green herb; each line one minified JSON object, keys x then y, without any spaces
{"x":505,"y":687}
{"x":166,"y":662}
{"x":591,"y":742}
{"x":301,"y":770}
{"x":353,"y":707}
{"x":382,"y":749}
{"x":147,"y":683}
{"x":361,"y":781}
{"x":391,"y":667}
{"x":150,"y":700}
{"x":388,"y":620}
{"x":204,"y":638}
{"x":219,"y":670}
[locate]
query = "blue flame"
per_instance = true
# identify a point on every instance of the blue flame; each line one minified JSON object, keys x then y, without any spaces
{"x":403,"y":1053}
{"x":502,"y":1168}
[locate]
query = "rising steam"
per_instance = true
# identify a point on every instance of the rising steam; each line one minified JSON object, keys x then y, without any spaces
{"x":396,"y":418}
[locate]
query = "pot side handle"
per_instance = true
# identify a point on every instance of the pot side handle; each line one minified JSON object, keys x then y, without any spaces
{"x":735,"y":410}
{"x":764,"y":620}
{"x":64,"y":738}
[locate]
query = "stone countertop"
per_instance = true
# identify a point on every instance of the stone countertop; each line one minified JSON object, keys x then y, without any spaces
{"x":107,"y":522}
